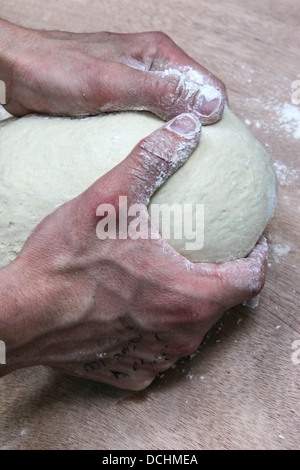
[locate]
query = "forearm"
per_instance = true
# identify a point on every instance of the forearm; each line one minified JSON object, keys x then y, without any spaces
{"x":10,"y":314}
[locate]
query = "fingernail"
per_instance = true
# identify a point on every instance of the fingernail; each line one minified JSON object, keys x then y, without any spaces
{"x":209,"y":100}
{"x":184,"y":124}
{"x":208,"y":107}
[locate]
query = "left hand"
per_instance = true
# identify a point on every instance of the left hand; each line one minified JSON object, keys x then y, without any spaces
{"x":62,"y":73}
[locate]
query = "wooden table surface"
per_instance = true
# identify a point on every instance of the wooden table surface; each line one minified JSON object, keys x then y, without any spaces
{"x":240,"y":390}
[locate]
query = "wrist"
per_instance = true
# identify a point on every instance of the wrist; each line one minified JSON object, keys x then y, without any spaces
{"x":24,"y":299}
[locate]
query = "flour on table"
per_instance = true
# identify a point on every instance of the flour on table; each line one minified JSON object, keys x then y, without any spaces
{"x":289,"y":118}
{"x":278,"y":248}
{"x":285,"y":175}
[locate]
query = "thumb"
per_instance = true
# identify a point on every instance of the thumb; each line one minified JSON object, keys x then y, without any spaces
{"x":172,"y":92}
{"x":166,"y":93}
{"x":240,"y":279}
{"x":158,"y":156}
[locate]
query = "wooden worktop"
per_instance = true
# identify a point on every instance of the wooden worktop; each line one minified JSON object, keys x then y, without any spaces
{"x":241,"y":389}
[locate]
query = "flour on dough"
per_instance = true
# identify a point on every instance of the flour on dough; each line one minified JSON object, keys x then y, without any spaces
{"x":46,"y":161}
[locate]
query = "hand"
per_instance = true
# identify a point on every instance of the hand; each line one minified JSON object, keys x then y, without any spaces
{"x":64,"y":73}
{"x":120,"y":311}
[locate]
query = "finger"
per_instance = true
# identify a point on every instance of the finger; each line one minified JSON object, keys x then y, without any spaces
{"x":159,"y":155}
{"x":170,"y":56}
{"x":168,"y":93}
{"x":173,"y":91}
{"x":194,"y":85}
{"x":147,"y":167}
{"x":173,"y":82}
{"x":238,"y":280}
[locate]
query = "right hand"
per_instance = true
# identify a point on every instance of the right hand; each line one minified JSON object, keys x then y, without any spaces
{"x":120,"y":311}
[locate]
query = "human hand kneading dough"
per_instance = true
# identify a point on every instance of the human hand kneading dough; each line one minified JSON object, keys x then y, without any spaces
{"x":117,"y":311}
{"x":63,"y":73}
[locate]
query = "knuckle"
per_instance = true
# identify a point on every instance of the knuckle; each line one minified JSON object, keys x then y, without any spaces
{"x":242,"y":280}
{"x":155,"y":148}
{"x":167,"y":91}
{"x":254,"y":279}
{"x":161,"y":37}
{"x":155,"y":41}
{"x":256,"y":283}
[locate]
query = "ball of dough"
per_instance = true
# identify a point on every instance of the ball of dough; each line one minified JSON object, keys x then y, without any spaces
{"x":46,"y":161}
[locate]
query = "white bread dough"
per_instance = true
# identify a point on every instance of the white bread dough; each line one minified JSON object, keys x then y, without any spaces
{"x":46,"y":161}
